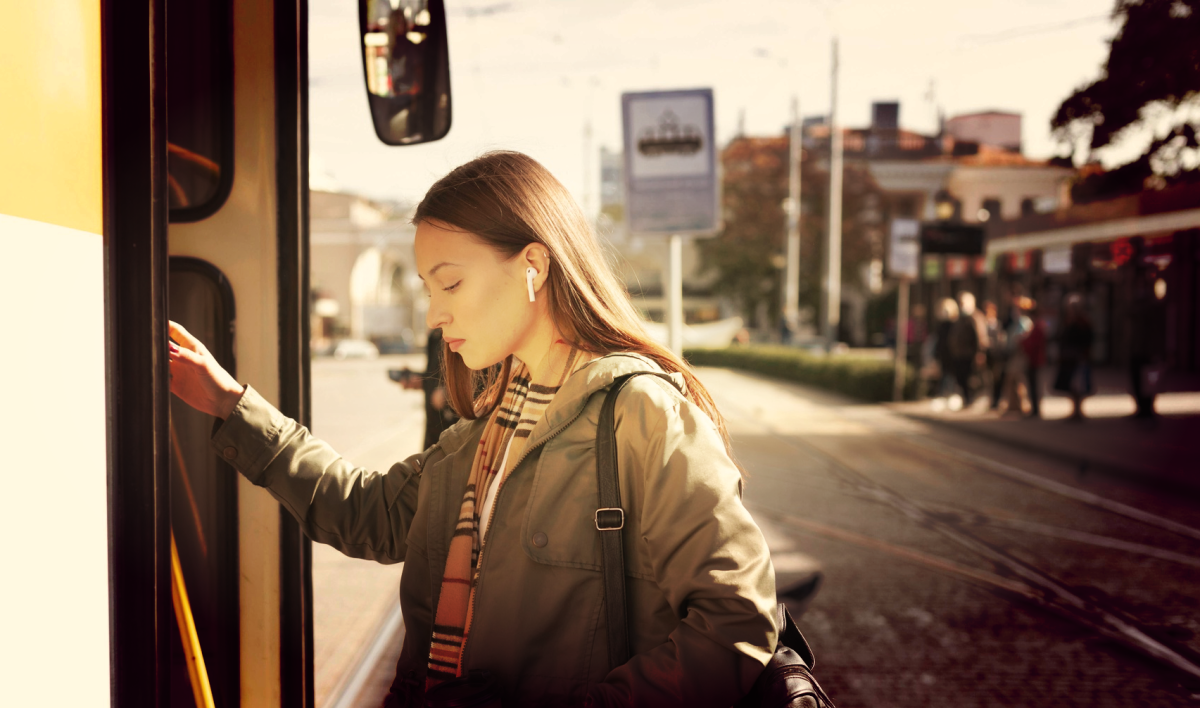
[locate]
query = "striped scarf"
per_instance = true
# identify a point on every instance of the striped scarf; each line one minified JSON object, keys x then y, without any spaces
{"x":507,"y":429}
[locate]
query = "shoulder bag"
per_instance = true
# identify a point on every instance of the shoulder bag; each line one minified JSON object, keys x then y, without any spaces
{"x":787,"y":680}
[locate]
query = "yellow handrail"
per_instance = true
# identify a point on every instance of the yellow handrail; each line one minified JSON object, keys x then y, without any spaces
{"x":201,"y":689}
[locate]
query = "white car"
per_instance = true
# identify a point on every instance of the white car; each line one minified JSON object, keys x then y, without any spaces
{"x":355,"y":349}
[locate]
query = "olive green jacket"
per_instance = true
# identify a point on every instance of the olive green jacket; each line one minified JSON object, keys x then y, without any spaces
{"x":701,"y":588}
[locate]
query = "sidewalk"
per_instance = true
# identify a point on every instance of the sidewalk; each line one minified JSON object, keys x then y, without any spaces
{"x":1163,"y":451}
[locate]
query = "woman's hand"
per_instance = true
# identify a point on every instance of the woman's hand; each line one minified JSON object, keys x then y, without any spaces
{"x":198,"y":379}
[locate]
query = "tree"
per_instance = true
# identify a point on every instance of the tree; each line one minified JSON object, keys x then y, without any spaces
{"x":755,"y":186}
{"x":1150,"y":82}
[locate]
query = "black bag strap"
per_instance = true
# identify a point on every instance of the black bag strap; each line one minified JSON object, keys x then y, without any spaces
{"x":610,"y":519}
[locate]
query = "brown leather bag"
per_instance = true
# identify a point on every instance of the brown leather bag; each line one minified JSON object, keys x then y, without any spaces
{"x":786,"y":681}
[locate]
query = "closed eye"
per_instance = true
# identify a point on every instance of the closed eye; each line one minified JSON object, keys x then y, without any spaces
{"x":452,"y":288}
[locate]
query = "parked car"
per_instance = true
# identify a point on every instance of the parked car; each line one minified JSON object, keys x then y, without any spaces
{"x":355,"y":349}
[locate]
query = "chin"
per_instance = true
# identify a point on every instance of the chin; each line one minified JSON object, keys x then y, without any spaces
{"x":478,"y":363}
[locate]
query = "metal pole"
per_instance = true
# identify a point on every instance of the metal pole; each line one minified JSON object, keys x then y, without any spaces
{"x":901,"y":342}
{"x":675,"y":294}
{"x":833,"y":282}
{"x":791,"y":283}
{"x":587,"y":170}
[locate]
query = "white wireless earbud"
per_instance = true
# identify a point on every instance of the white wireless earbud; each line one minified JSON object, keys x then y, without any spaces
{"x":530,"y":274}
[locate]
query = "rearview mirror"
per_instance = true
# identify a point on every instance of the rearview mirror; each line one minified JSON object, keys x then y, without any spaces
{"x":406,"y":64}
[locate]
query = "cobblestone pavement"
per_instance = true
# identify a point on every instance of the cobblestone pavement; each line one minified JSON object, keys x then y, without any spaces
{"x":949,"y":575}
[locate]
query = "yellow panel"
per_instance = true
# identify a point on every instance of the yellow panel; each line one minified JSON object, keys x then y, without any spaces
{"x":50,"y":128}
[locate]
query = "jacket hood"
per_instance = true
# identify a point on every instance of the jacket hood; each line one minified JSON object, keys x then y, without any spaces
{"x":570,"y":400}
{"x":596,"y":375}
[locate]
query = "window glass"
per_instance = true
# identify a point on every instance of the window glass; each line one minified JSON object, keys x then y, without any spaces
{"x":199,"y":107}
{"x":204,"y":498}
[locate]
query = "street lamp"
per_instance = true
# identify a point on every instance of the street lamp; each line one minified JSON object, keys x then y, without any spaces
{"x":944,"y":205}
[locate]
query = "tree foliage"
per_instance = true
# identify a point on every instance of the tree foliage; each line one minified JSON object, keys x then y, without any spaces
{"x":1151,"y":77}
{"x":754,"y":189}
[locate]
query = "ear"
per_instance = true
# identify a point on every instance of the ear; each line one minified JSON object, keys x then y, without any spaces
{"x":536,"y":256}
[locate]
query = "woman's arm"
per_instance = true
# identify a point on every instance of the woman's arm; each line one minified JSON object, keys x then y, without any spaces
{"x":707,"y":556}
{"x":362,"y":514}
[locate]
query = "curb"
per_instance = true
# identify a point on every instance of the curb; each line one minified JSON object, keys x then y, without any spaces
{"x":1083,"y":462}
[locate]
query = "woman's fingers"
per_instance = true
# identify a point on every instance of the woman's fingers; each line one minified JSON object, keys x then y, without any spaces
{"x":197,"y":378}
{"x":183,"y":337}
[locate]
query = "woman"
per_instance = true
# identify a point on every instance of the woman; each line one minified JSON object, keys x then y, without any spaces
{"x":495,"y":523}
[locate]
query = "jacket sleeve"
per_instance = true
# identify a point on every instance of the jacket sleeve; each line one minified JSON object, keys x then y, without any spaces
{"x":362,"y":514}
{"x":708,"y":558}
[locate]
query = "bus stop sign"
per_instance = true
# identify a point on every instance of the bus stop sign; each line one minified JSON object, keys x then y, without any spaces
{"x":670,"y":162}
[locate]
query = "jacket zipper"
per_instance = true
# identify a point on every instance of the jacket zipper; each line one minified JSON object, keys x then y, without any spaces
{"x":492,"y":517}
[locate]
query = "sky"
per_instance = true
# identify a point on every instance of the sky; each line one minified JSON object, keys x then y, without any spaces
{"x":531,"y":75}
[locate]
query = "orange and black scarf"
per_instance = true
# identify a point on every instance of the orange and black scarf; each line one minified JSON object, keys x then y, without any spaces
{"x":507,"y":429}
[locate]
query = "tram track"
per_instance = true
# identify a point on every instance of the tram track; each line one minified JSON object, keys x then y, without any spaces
{"x":1011,"y":575}
{"x":966,"y":516}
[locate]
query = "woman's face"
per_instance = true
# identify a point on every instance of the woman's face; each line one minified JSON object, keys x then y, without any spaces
{"x":478,"y":298}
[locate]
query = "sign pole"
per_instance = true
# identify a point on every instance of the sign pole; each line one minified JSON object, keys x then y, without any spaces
{"x":901,"y":341}
{"x":674,"y":314}
{"x":672,"y":185}
{"x":904,"y":257}
{"x":833,"y":268}
{"x":791,"y":282}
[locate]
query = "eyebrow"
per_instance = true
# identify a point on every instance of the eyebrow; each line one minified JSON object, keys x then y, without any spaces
{"x":433,"y":271}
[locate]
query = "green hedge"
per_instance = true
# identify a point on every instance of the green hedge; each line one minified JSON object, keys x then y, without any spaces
{"x":862,"y":378}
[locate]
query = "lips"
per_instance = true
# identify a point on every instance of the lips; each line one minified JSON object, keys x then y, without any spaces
{"x":454,"y":344}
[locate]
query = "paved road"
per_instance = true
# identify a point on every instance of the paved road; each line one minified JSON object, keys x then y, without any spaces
{"x":372,"y":422}
{"x":958,"y":572}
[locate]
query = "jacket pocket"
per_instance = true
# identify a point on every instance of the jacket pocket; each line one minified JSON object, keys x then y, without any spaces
{"x":560,"y":522}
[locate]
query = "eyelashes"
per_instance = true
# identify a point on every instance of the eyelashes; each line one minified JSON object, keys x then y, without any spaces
{"x":452,"y":288}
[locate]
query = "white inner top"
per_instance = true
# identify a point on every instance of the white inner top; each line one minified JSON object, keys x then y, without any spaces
{"x":489,"y":497}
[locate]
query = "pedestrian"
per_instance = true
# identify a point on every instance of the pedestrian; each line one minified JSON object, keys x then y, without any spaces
{"x":497,"y":523}
{"x":943,"y":354}
{"x":1075,"y":355}
{"x":1147,"y":330}
{"x":1033,"y":346}
{"x":968,"y":341}
{"x":996,"y":358}
{"x":1015,"y":390}
{"x":439,"y":414}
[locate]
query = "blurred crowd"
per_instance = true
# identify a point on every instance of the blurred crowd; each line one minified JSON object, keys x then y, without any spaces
{"x":999,"y":351}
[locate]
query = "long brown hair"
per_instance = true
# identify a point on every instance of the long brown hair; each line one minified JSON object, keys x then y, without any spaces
{"x":508,"y":200}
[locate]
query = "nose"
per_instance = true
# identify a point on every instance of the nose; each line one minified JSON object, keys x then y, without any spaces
{"x":436,"y":316}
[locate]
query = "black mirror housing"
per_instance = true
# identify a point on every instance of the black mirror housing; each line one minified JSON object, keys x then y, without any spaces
{"x":406,"y":66}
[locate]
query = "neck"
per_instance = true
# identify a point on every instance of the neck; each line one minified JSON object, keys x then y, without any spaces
{"x":545,"y":353}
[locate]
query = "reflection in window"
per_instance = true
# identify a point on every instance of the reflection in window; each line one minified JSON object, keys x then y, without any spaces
{"x":204,"y":499}
{"x":395,"y":29}
{"x":199,"y":107}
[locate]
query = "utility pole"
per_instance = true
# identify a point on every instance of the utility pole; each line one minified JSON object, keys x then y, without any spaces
{"x":791,"y":283}
{"x":833,"y":275}
{"x":588,"y":211}
{"x":901,"y":341}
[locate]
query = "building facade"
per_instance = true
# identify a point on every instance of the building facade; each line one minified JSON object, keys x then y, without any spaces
{"x":363,"y":274}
